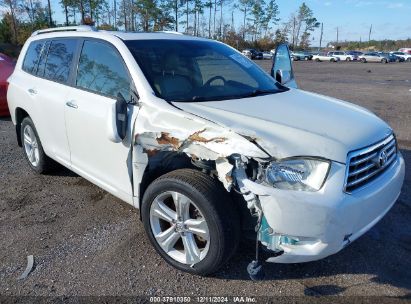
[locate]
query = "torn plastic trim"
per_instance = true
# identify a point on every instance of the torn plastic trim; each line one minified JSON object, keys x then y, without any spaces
{"x":29,"y":267}
{"x":265,"y":234}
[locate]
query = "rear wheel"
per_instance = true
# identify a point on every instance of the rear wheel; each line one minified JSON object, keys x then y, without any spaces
{"x":363,"y":60}
{"x":191,"y":221}
{"x":332,"y":60}
{"x":408,"y":59}
{"x":33,"y":149}
{"x":384,"y":60}
{"x":348,"y":59}
{"x":317,"y":60}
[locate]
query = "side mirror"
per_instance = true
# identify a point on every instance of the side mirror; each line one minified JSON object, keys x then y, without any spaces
{"x":282,"y":69}
{"x":117,"y":120}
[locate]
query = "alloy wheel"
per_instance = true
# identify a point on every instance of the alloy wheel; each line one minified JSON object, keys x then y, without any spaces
{"x":31,"y":146}
{"x":179,"y":227}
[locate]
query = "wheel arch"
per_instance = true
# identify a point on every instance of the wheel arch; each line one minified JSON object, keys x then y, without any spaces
{"x":20,"y":114}
{"x":165,"y":162}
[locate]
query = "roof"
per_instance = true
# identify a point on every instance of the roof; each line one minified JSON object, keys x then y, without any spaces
{"x":85,"y":30}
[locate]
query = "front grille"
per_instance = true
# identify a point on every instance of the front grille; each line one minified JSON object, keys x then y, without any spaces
{"x":367,"y":164}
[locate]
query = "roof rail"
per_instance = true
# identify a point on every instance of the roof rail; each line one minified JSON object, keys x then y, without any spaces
{"x":170,"y":32}
{"x":79,"y":28}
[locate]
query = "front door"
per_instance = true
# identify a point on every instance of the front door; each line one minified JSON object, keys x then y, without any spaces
{"x":101,"y":75}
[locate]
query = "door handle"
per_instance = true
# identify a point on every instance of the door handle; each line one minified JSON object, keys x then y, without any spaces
{"x":32,"y":91}
{"x":71,"y":104}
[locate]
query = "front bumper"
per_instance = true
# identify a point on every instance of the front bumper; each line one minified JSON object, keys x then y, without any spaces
{"x":326,"y":221}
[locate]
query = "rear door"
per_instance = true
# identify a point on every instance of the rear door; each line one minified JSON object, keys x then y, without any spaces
{"x":101,"y":75}
{"x":48,"y":92}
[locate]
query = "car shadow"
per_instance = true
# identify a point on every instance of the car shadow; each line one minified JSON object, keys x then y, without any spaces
{"x":382,"y":253}
{"x":5,"y":118}
{"x":62,"y":171}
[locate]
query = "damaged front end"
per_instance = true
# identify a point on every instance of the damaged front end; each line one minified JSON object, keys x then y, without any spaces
{"x":169,"y":140}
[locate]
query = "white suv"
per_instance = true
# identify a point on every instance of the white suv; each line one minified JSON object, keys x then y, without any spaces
{"x":343,"y":56}
{"x":205,"y":143}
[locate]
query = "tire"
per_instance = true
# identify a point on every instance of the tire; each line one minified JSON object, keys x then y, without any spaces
{"x":384,"y":61}
{"x":348,"y":59}
{"x":33,"y":149}
{"x":408,"y":59}
{"x":317,"y":60}
{"x":211,"y":204}
{"x":332,"y":60}
{"x":363,"y":60}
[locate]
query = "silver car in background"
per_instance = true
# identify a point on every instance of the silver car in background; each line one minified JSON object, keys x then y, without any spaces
{"x":373,"y":57}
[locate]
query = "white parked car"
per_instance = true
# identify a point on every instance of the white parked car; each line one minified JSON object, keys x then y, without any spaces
{"x":268,"y":55}
{"x":343,"y":56}
{"x":325,"y":57}
{"x":176,"y":125}
{"x":407,"y":57}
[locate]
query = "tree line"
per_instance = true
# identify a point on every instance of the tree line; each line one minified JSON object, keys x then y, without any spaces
{"x":377,"y":45}
{"x":258,"y":23}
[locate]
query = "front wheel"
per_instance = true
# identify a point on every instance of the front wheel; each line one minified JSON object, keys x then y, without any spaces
{"x":384,"y":61}
{"x":348,"y":59}
{"x":363,"y":60}
{"x":191,"y":221}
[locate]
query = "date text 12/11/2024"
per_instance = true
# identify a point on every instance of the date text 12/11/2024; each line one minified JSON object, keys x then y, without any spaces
{"x":203,"y":299}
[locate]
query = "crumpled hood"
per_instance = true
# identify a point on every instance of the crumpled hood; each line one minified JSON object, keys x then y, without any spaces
{"x":296,"y":123}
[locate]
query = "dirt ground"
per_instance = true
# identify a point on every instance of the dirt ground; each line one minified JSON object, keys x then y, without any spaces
{"x":85,"y":242}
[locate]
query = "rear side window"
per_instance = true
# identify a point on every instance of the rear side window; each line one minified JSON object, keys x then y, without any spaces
{"x":59,"y":59}
{"x":101,"y":70}
{"x":32,"y":57}
{"x":43,"y":58}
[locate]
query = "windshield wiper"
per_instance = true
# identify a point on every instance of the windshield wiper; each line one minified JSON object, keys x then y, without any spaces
{"x":202,"y":98}
{"x":194,"y":98}
{"x":227,"y":97}
{"x":262,"y":92}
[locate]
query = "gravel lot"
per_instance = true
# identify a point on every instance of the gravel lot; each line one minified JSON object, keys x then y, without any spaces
{"x":86,"y":242}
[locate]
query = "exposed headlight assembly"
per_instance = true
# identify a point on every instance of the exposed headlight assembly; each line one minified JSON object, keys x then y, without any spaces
{"x":301,"y":174}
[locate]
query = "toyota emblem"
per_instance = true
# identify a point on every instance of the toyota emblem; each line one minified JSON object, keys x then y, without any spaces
{"x":383,"y":158}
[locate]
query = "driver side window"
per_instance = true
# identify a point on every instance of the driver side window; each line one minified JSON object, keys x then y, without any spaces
{"x":101,"y":70}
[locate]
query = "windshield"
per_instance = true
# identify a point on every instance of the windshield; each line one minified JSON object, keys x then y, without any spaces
{"x":193,"y":70}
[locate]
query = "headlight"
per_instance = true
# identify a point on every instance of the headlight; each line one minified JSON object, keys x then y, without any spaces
{"x":298,"y":174}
